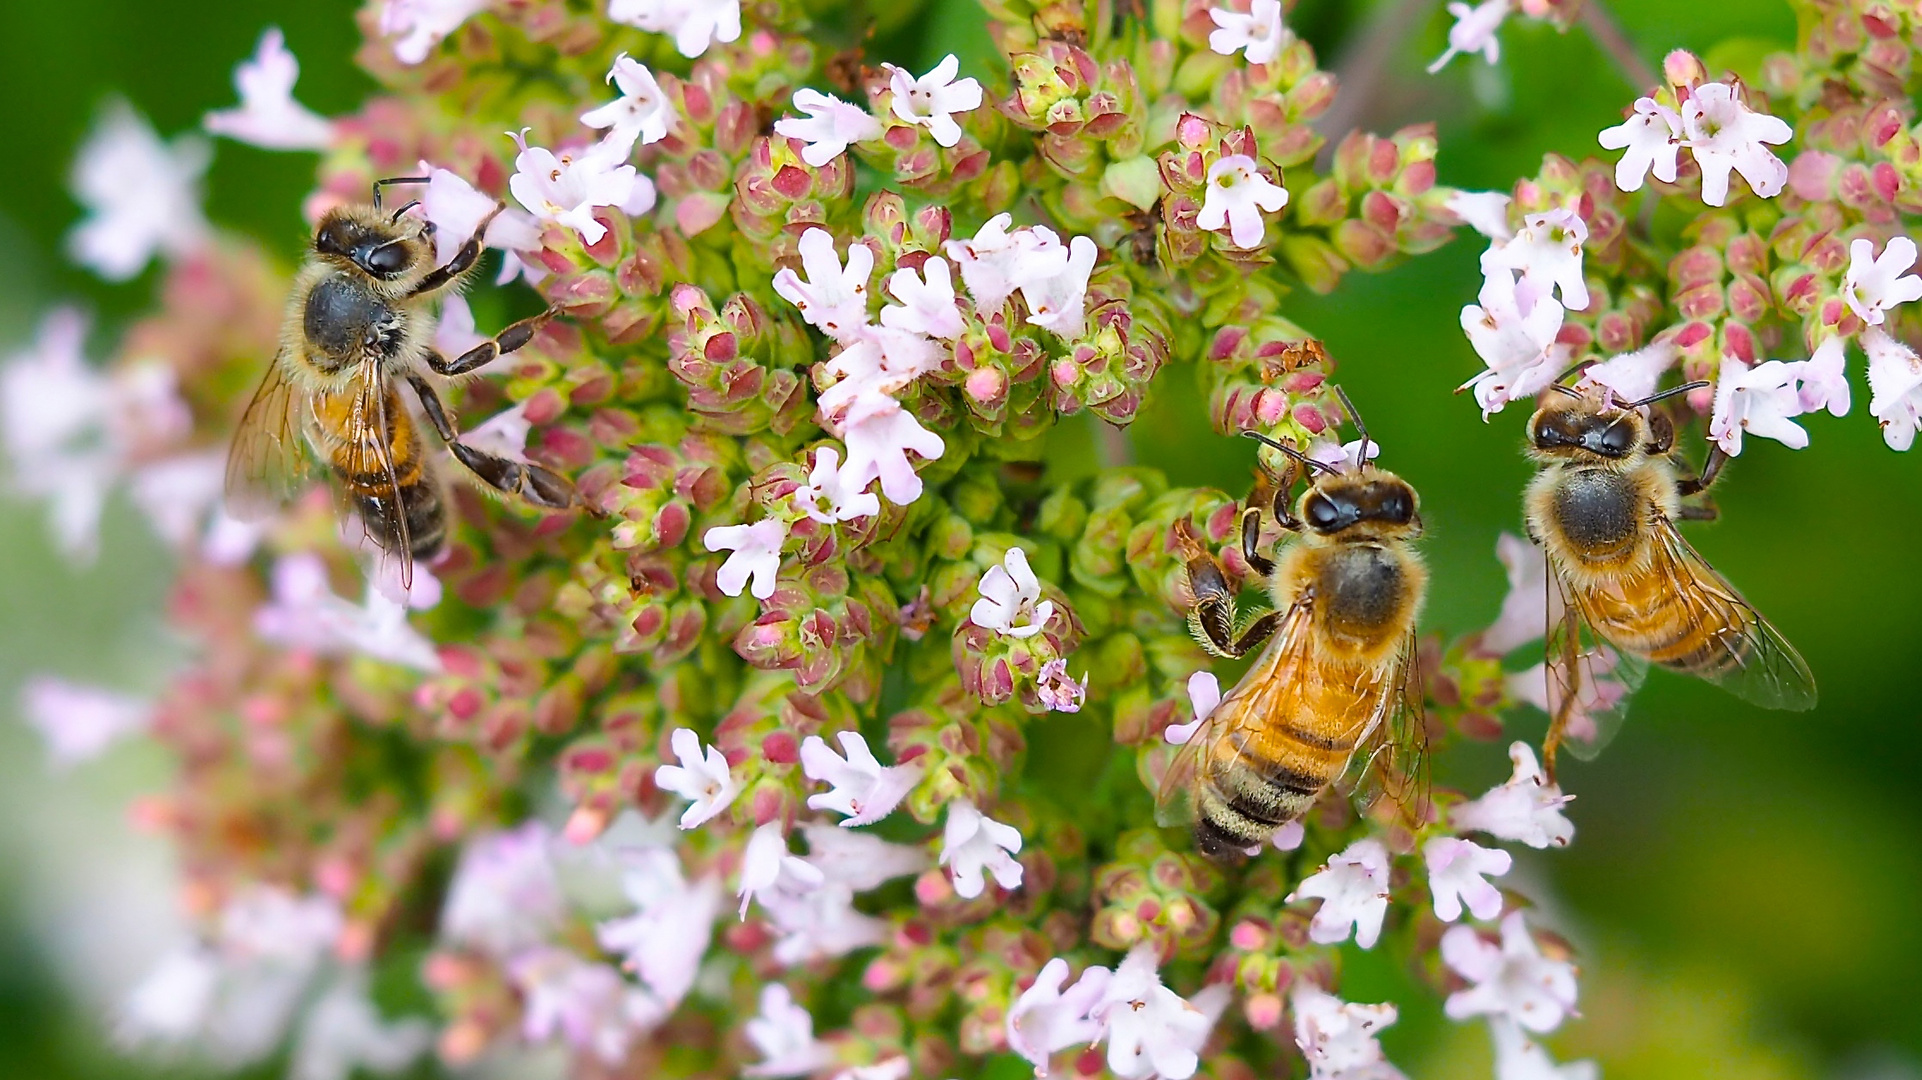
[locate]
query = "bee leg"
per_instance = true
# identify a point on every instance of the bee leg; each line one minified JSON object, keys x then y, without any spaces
{"x":516,"y":335}
{"x":1251,"y":542}
{"x":540,"y":486}
{"x":1711,"y":468}
{"x":463,"y":261}
{"x":1698,"y":511}
{"x":1282,"y":514}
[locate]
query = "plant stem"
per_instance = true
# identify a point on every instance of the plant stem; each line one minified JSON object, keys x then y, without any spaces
{"x":1601,"y":26}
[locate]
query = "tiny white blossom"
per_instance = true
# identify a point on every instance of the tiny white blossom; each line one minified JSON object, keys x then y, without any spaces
{"x":641,"y":114}
{"x":567,"y":188}
{"x":1341,"y":1040}
{"x":268,"y":116}
{"x":505,"y":895}
{"x":1150,"y":1029}
{"x":1525,"y":808}
{"x":1526,"y":607}
{"x":1652,"y":137}
{"x":827,"y":497}
{"x":755,"y":553}
{"x":1342,"y":457}
{"x":1725,"y":135}
{"x":1512,"y":979}
{"x":932,"y":100}
{"x":344,"y":1035}
{"x":1047,"y":1018}
{"x":702,"y":777}
{"x":1824,"y":378}
{"x":863,"y":789}
{"x":421,"y":24}
{"x":1486,"y":212}
{"x":1011,"y":598}
{"x":783,"y":1033}
{"x":1515,"y":340}
{"x":1761,"y":400}
{"x":1517,"y":1057}
{"x":1633,"y":376}
{"x":1547,"y":252}
{"x":833,"y":299}
{"x":973,"y":842}
{"x":1895,"y":387}
{"x":820,"y":924}
{"x":586,"y":1005}
{"x":142,"y":195}
{"x":768,"y":864}
{"x":1353,"y":890}
{"x":79,"y":722}
{"x":666,"y":937}
{"x":894,"y":1068}
{"x":694,"y":24}
{"x":1458,"y":872}
{"x":1058,"y":301}
{"x":1259,"y":34}
{"x":997,"y":261}
{"x":1474,"y":31}
{"x":830,"y":126}
{"x":1237,"y":195}
{"x":1875,"y":285}
{"x":859,"y":861}
{"x":879,"y":433}
{"x":305,"y":613}
{"x":1204,"y":693}
{"x":925,"y":307}
{"x":1600,"y":691}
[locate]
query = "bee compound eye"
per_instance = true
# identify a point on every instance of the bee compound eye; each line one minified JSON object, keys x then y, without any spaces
{"x":1617,"y":440}
{"x":1320,"y":512}
{"x":1395,"y":508}
{"x":387,"y":259}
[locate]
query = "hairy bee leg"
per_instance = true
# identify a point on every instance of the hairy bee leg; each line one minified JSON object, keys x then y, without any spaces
{"x":1258,"y":632}
{"x":542,"y":487}
{"x":1711,"y":468}
{"x":1251,"y":542}
{"x":1698,"y":511}
{"x":1212,"y":618}
{"x":516,"y":335}
{"x":1283,"y":515}
{"x":463,"y":261}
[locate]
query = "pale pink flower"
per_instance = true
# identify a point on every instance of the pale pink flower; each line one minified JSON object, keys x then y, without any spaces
{"x":641,"y":113}
{"x":456,"y":208}
{"x":1515,"y":340}
{"x":1150,"y":1029}
{"x":1525,"y":808}
{"x":1652,"y":137}
{"x":1059,"y":301}
{"x":1517,"y":1057}
{"x":142,"y":195}
{"x":668,"y":934}
{"x":1458,"y":872}
{"x":820,"y":924}
{"x":1530,"y":606}
{"x":694,"y":24}
{"x":894,"y":1068}
{"x":421,"y":24}
{"x":343,"y":1035}
{"x":266,"y":922}
{"x":830,"y":126}
{"x":586,"y":1005}
{"x":863,"y":789}
{"x":859,"y":861}
{"x":925,"y":307}
{"x":79,"y":722}
{"x":1289,"y":836}
{"x":767,"y":864}
{"x":997,"y":261}
{"x":1259,"y":34}
{"x":1011,"y":601}
{"x":703,"y":778}
{"x":783,"y":1034}
{"x":833,"y":299}
{"x":268,"y":116}
{"x":972,"y":843}
{"x":567,"y":188}
{"x":172,"y":1004}
{"x":1547,"y":252}
{"x":503,"y":434}
{"x":1342,"y":457}
{"x":454,"y":331}
{"x":755,"y":554}
{"x":505,"y":895}
{"x":879,"y":433}
{"x":1895,"y":387}
{"x":1824,"y":378}
{"x":1353,"y":890}
{"x":1761,"y":400}
{"x":305,"y":613}
{"x":1237,"y":195}
{"x":932,"y":100}
{"x":1634,"y":375}
{"x":1474,"y":31}
{"x":1876,"y":285}
{"x":1484,"y":211}
{"x":877,"y":363}
{"x":1511,"y":980}
{"x":1204,"y":693}
{"x":827,"y":497}
{"x":1725,"y":135}
{"x":1057,"y":689}
{"x":1341,"y":1040}
{"x":1600,"y":691}
{"x":1047,"y":1019}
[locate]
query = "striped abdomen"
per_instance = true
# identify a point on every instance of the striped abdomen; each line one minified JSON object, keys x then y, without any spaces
{"x":376,"y":452}
{"x":1668,"y":614}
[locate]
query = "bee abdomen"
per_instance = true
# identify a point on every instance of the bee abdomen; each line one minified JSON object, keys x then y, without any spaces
{"x":419,"y":504}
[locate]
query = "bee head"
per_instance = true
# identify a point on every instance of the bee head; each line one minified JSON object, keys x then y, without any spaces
{"x":1365,"y":503}
{"x":392,"y":249}
{"x":1592,"y":427}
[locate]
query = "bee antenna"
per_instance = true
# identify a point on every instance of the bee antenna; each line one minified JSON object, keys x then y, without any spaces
{"x":1668,"y":393}
{"x":403,"y":210}
{"x":378,"y":184}
{"x":1290,"y":451}
{"x":1355,"y":417}
{"x":1564,"y":389}
{"x":1572,"y":369}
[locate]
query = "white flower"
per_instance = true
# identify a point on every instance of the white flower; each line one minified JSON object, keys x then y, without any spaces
{"x":820,"y":924}
{"x":1526,"y":808}
{"x":756,"y":554}
{"x":1353,"y":889}
{"x":1237,"y":194}
{"x":1824,"y":378}
{"x":973,"y":842}
{"x":993,"y":262}
{"x":1204,"y":693}
{"x":1895,"y":387}
{"x":305,"y":613}
{"x":702,"y":777}
{"x":1339,"y":1039}
{"x":878,"y":363}
{"x":783,"y":1033}
{"x":1484,"y":211}
{"x":1342,"y":457}
{"x":268,"y":116}
{"x":1011,"y":598}
{"x":1633,"y":376}
{"x":1150,"y":1029}
{"x":894,"y":1068}
{"x":457,"y":209}
{"x":503,"y":434}
{"x":344,"y":1036}
{"x":1059,"y":301}
{"x":859,"y":860}
{"x":831,"y":125}
{"x":142,"y":195}
{"x":1512,"y":979}
{"x":1458,"y":872}
{"x":827,"y":497}
{"x":1046,"y":1019}
{"x":586,"y":1005}
{"x":925,"y":308}
{"x":695,"y":24}
{"x":1724,"y":135}
{"x":1474,"y":31}
{"x":641,"y":113}
{"x":1526,"y":613}
{"x":1057,"y":690}
{"x":1517,"y":1057}
{"x":1759,"y":400}
{"x":864,"y":789}
{"x":421,"y":24}
{"x":1259,"y":33}
{"x":767,"y":864}
{"x":454,"y":331}
{"x":505,"y":895}
{"x":1547,"y":252}
{"x":879,"y":433}
{"x":932,"y":100}
{"x":1652,"y":135}
{"x":1875,"y":284}
{"x":668,"y":934}
{"x":1515,"y":340}
{"x":566,"y":188}
{"x":79,"y":722}
{"x":833,"y":299}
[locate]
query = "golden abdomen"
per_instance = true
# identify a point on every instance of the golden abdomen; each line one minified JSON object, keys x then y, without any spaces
{"x":376,"y":451}
{"x":1663,"y":613}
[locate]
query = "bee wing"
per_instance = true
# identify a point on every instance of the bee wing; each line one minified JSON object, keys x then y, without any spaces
{"x":1267,"y":691}
{"x":1396,"y":763}
{"x":1586,"y":683}
{"x":1753,"y":660}
{"x":367,"y":450}
{"x":268,"y":461}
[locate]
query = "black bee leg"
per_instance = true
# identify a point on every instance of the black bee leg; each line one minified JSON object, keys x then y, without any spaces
{"x":516,"y":335}
{"x":1711,"y":468}
{"x":542,"y":487}
{"x":1212,"y":618}
{"x":1698,"y":511}
{"x":463,"y":261}
{"x":1283,"y":515}
{"x":1251,"y":542}
{"x":436,"y":412}
{"x":1258,"y":631}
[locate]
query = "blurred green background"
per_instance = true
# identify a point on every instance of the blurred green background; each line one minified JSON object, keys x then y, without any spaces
{"x":1744,"y":886}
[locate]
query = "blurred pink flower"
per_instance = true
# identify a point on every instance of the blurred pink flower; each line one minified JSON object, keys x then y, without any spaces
{"x":421,"y":24}
{"x":1824,"y":379}
{"x":668,"y":934}
{"x":1150,"y":1029}
{"x":268,"y":116}
{"x":1895,"y":387}
{"x":80,"y":722}
{"x":1517,"y":1057}
{"x":695,"y":25}
{"x":1340,"y":1040}
{"x":830,"y":126}
{"x":1047,"y":1019}
{"x":783,"y":1034}
{"x":1511,"y":980}
{"x":1474,"y":31}
{"x":586,"y":1005}
{"x":767,"y":864}
{"x":1525,"y":808}
{"x":505,"y":895}
{"x":1204,"y":693}
{"x":142,"y":195}
{"x":1877,"y":284}
{"x":1458,"y":872}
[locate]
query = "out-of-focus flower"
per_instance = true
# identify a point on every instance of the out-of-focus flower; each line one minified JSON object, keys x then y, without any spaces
{"x":1517,"y":343}
{"x":1525,"y":808}
{"x":1458,"y":872}
{"x":972,"y":843}
{"x":668,"y":934}
{"x":859,"y":860}
{"x":1204,"y":693}
{"x":756,"y":554}
{"x":863,"y":789}
{"x":1634,"y":375}
{"x":454,"y":331}
{"x":1599,"y":690}
{"x":830,"y":126}
{"x":80,"y":722}
{"x":586,"y":1005}
{"x":1011,"y":601}
{"x":932,"y":100}
{"x":827,"y":497}
{"x":1353,"y":890}
{"x":1474,"y":31}
{"x":1895,"y":387}
{"x":1237,"y":195}
{"x":1057,"y":689}
{"x":1259,"y":34}
{"x":1760,"y":400}
{"x":767,"y":864}
{"x":503,"y":434}
{"x":1876,"y":284}
{"x":456,"y":208}
{"x":505,"y":895}
{"x":305,"y":613}
{"x":567,"y":188}
{"x":703,"y":778}
{"x":344,"y":1035}
{"x":268,"y":116}
{"x":1518,"y":1057}
{"x":1512,"y":979}
{"x":1725,"y":135}
{"x":1486,"y":212}
{"x":1547,"y":252}
{"x":1150,"y":1029}
{"x":832,"y":299}
{"x":925,"y":307}
{"x":142,"y":195}
{"x":641,"y":114}
{"x":1047,"y":1019}
{"x":894,"y":1068}
{"x":1652,"y":137}
{"x":1058,"y":301}
{"x":694,"y":24}
{"x":1341,"y":1040}
{"x":1824,"y":378}
{"x":421,"y":24}
{"x":1530,"y":605}
{"x":783,"y":1033}
{"x":879,"y":433}
{"x":820,"y":924}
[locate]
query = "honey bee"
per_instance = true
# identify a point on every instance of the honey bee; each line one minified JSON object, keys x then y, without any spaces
{"x":1339,"y":672}
{"x":359,"y":325}
{"x":1603,"y":507}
